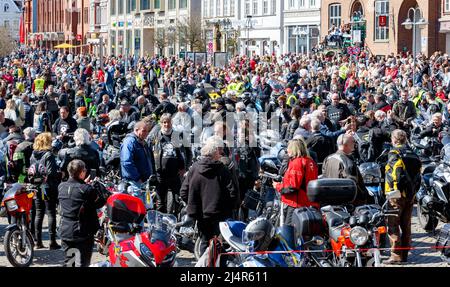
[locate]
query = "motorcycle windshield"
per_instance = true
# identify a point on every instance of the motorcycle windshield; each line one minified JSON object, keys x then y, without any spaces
{"x":370,"y":168}
{"x":11,"y":192}
{"x":158,"y":221}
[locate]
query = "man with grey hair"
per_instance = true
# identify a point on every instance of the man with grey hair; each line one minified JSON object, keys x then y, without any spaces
{"x":82,"y":151}
{"x":342,"y":165}
{"x":317,"y":142}
{"x":209,"y":191}
{"x":304,"y":129}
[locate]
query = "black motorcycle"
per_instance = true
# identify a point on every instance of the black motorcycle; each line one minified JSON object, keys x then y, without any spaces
{"x":434,"y":195}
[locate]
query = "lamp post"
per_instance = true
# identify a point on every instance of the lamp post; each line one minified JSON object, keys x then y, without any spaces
{"x":171,"y":30}
{"x":416,"y":21}
{"x":227,"y":26}
{"x":248,"y":26}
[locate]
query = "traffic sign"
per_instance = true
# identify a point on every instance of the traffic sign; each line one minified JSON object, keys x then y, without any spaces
{"x":382,"y":21}
{"x":78,"y":37}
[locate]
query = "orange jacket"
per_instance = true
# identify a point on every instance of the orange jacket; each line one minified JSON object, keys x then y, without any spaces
{"x":293,"y":180}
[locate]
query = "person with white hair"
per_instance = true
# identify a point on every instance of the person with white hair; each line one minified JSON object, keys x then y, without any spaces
{"x":209,"y":191}
{"x":83,"y":150}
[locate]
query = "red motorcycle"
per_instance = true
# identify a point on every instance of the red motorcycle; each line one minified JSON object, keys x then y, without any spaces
{"x":135,"y":244}
{"x":18,"y":241}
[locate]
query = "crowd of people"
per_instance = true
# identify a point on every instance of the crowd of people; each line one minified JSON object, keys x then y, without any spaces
{"x":332,"y":113}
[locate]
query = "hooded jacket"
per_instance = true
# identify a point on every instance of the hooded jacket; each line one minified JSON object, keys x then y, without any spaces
{"x":208,"y":190}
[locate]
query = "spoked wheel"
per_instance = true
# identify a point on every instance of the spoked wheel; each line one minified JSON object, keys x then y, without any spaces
{"x":426,"y":220}
{"x":18,"y":254}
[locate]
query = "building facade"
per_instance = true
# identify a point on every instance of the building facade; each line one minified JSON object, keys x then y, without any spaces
{"x":262,"y":33}
{"x":445,"y":23}
{"x":148,"y":27}
{"x":301,"y":25}
{"x":98,"y":26}
{"x":10,"y":12}
{"x":385,"y":33}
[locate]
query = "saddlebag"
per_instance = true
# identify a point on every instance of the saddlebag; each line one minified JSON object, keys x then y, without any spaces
{"x":332,"y":191}
{"x":443,"y":242}
{"x":308,"y":222}
{"x":125,"y":212}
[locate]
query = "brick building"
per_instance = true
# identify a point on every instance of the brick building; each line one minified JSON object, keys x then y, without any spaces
{"x":52,"y":22}
{"x":384,"y":18}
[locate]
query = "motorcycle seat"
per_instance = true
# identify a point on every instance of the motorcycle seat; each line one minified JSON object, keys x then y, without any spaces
{"x":335,"y":218}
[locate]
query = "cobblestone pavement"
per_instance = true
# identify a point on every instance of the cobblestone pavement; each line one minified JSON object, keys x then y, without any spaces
{"x":46,"y":258}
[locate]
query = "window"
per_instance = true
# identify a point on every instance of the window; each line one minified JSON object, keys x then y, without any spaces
{"x":113,"y":7}
{"x":302,"y":3}
{"x":312,"y":3}
{"x":334,"y":15}
{"x":145,"y":4}
{"x":6,"y":24}
{"x":381,"y":9}
{"x":172,"y":4}
{"x":183,"y":4}
{"x":232,"y":8}
{"x":211,"y":8}
{"x":6,"y":9}
{"x":291,"y":4}
{"x":266,"y":7}
{"x":218,"y":8}
{"x":120,"y":3}
{"x":226,"y":11}
{"x":205,"y":9}
{"x":274,"y":7}
{"x":247,"y":7}
{"x":157,"y":4}
{"x":447,"y":5}
{"x":255,"y":7}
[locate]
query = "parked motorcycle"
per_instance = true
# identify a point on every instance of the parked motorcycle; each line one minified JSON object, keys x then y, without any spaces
{"x":136,"y":245}
{"x":18,"y":241}
{"x":353,"y":235}
{"x":433,"y":197}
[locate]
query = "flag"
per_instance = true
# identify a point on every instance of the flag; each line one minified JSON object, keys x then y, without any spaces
{"x":21,"y":30}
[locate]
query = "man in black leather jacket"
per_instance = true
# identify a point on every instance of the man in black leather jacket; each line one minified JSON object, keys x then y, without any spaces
{"x":79,"y":222}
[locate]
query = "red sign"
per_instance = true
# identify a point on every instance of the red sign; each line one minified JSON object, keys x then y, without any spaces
{"x":78,"y":37}
{"x":382,"y":21}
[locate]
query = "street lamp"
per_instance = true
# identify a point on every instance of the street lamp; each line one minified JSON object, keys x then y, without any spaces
{"x":227,"y":26}
{"x":171,"y":30}
{"x":416,"y":21}
{"x":248,"y":26}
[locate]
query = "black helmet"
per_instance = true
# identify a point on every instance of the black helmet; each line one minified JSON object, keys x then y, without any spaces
{"x":258,"y":234}
{"x":200,"y":93}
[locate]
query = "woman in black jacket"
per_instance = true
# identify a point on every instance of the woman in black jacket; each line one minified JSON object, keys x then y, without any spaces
{"x":44,"y":173}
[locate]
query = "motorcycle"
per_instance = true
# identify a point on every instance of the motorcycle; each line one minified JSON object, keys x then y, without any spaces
{"x":18,"y":241}
{"x":355,"y":239}
{"x":433,"y":197}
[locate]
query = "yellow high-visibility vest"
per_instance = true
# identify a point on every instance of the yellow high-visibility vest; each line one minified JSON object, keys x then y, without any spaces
{"x":39,"y":85}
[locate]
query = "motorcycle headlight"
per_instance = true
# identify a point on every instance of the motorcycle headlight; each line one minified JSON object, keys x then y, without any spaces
{"x":359,"y":235}
{"x":11,"y":205}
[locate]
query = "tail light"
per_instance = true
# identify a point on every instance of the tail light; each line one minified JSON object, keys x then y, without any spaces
{"x":382,"y":229}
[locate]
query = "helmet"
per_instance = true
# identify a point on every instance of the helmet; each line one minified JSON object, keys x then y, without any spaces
{"x":200,"y":86}
{"x":200,"y":93}
{"x":258,"y":234}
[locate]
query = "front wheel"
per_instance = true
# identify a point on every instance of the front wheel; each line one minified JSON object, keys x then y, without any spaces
{"x":427,"y":221}
{"x":18,"y":254}
{"x":197,"y":248}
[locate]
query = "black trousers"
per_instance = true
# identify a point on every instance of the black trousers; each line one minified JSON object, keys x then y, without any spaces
{"x":208,"y":228}
{"x":172,"y":185}
{"x":45,"y":207}
{"x":78,"y":254}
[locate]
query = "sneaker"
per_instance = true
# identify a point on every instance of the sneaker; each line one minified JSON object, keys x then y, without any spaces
{"x":39,"y":245}
{"x":54,"y":246}
{"x":392,"y":261}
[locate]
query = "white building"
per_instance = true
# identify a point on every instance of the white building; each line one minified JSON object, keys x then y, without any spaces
{"x":262,"y":31}
{"x":301,"y":25}
{"x":10,"y":12}
{"x":99,"y":25}
{"x":134,"y":23}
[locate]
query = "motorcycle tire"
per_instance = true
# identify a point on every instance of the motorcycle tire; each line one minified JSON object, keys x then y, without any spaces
{"x":197,"y":252}
{"x":426,"y":221}
{"x":9,"y":235}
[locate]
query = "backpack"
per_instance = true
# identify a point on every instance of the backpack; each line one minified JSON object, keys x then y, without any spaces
{"x":37,"y":172}
{"x":11,"y":147}
{"x":411,"y":179}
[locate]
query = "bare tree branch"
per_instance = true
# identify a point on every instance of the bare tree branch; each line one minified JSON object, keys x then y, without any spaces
{"x":7,"y":44}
